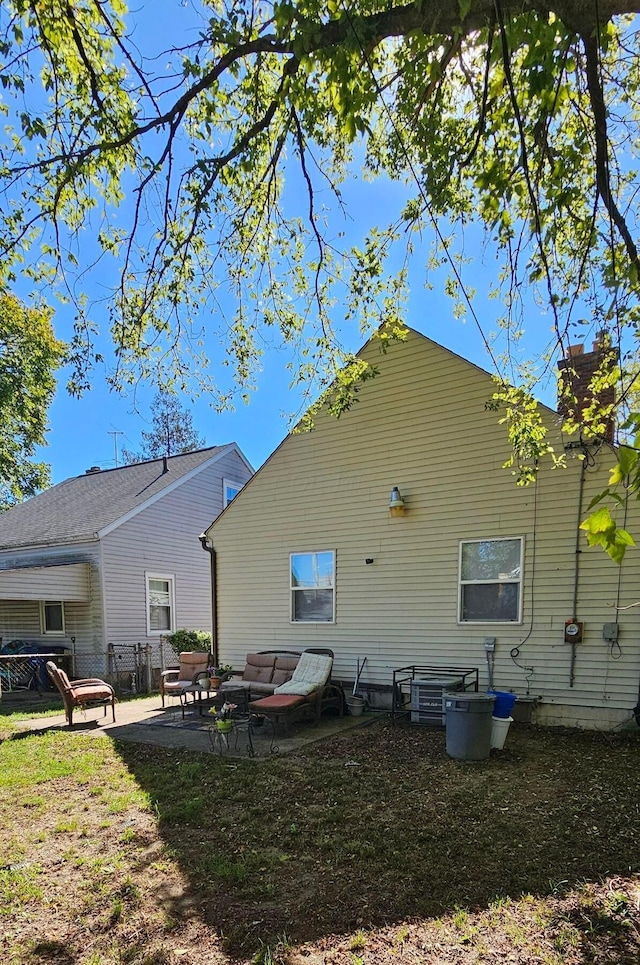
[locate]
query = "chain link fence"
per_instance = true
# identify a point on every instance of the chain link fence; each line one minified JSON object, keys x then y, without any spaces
{"x":27,"y":671}
{"x":129,"y":668}
{"x":136,"y":668}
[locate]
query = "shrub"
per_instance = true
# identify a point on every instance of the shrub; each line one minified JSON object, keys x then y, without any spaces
{"x":181,"y":640}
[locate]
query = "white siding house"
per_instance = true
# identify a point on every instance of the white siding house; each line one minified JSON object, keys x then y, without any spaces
{"x":309,"y":555}
{"x":114,"y":556}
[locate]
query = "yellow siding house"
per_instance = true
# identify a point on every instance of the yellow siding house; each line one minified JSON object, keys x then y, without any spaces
{"x":309,"y":554}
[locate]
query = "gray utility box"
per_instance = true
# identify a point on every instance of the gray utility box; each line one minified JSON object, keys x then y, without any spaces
{"x":427,"y":704}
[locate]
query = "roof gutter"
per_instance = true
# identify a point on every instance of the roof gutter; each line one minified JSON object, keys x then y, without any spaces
{"x":207,"y":545}
{"x":50,"y":544}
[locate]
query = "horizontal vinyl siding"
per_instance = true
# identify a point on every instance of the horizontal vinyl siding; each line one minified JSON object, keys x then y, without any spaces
{"x":163,"y":539}
{"x":20,"y":620}
{"x":67,"y":582}
{"x":422,"y":425}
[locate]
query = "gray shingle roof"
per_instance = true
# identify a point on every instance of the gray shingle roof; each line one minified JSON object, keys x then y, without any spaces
{"x":78,"y":508}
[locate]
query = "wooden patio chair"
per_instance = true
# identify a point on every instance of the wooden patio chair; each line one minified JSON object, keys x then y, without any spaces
{"x":85,"y":692}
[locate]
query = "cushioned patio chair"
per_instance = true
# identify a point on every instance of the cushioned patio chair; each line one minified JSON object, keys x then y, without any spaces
{"x":306,"y":694}
{"x":83,"y":693}
{"x":193,"y":666}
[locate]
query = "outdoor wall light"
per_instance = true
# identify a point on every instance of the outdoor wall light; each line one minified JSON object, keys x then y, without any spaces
{"x":396,"y":503}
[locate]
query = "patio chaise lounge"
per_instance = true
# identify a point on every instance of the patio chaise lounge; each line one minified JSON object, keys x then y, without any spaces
{"x":306,"y":694}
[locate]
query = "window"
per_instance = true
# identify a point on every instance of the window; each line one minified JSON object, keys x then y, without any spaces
{"x":491,"y":581}
{"x":230,"y":489}
{"x":160,"y":603}
{"x":52,"y":617}
{"x":312,"y":587}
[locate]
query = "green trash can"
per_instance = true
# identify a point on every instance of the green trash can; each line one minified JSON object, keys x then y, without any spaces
{"x":468,"y":718}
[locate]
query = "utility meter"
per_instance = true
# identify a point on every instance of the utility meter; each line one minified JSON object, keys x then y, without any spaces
{"x":572,"y":631}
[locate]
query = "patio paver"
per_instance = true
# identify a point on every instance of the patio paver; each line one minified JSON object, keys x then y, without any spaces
{"x":141,"y":721}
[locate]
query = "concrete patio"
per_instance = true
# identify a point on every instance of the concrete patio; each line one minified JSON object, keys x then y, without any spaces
{"x":145,"y":721}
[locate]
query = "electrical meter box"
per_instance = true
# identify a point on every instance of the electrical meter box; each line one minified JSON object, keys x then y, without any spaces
{"x":427,"y":702}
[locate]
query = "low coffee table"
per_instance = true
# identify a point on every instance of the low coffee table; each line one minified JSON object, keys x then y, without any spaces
{"x":232,"y":695}
{"x":197,"y":690}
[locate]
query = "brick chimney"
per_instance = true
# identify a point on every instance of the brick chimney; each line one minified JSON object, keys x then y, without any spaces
{"x":576,"y":372}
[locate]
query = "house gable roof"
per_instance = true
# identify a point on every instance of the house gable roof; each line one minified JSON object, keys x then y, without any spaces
{"x":89,"y":506}
{"x":366,"y":350}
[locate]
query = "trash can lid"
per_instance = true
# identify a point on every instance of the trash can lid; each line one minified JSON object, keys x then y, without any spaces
{"x":469,"y":695}
{"x":436,"y":681}
{"x":476,"y":703}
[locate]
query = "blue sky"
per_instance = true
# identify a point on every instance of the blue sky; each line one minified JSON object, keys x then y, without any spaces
{"x":81,"y":431}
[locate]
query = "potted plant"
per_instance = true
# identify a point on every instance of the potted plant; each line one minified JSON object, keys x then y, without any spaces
{"x":222,"y":717}
{"x":217,"y":674}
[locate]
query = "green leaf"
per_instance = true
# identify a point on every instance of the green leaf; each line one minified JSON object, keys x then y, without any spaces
{"x":599,"y":522}
{"x":29,"y":357}
{"x":626,"y":465}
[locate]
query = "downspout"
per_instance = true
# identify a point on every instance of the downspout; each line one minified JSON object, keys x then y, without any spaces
{"x":576,"y":572}
{"x":206,"y":545}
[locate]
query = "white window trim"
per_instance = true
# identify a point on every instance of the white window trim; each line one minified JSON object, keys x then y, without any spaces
{"x":170,"y":577}
{"x":230,"y":482}
{"x":312,"y":623}
{"x":43,"y":627}
{"x":461,"y":583}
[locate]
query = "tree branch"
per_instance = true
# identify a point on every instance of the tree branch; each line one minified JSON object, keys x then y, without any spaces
{"x":603,"y":182}
{"x":430,"y":17}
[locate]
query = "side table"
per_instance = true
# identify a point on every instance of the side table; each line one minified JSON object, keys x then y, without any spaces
{"x":243,"y":728}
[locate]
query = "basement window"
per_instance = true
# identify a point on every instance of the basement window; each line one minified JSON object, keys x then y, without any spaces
{"x":490,"y":584}
{"x":313,"y":587}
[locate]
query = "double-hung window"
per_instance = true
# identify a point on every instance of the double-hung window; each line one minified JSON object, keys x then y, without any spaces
{"x":52,"y":617}
{"x":160,"y":603}
{"x":490,"y":580}
{"x":312,"y":577}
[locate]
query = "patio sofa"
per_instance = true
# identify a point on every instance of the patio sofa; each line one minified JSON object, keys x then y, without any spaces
{"x":263,"y":672}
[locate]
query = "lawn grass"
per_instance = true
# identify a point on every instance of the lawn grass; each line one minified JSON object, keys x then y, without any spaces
{"x":28,"y":705}
{"x":374,"y":847}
